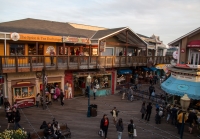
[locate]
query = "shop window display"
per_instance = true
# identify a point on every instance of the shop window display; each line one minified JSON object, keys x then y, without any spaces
{"x":17,"y":49}
{"x":103,"y":81}
{"x":23,"y":92}
{"x":121,"y":79}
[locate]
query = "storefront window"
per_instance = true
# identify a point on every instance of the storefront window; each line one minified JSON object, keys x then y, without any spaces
{"x":23,"y":92}
{"x":17,"y":49}
{"x":103,"y":81}
{"x":63,"y":50}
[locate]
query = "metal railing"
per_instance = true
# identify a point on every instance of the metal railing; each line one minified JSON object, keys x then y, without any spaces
{"x":38,"y":62}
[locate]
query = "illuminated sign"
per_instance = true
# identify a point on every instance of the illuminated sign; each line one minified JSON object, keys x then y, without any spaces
{"x":75,"y":39}
{"x":40,"y":38}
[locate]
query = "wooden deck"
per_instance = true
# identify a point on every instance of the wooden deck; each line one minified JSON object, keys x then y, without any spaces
{"x":10,"y":64}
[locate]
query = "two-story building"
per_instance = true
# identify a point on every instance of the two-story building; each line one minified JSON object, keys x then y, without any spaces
{"x":185,"y":73}
{"x":67,"y":53}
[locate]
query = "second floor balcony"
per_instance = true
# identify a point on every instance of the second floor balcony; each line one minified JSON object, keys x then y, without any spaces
{"x":10,"y":64}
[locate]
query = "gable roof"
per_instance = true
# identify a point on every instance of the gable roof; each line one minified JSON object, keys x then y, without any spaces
{"x":36,"y":26}
{"x":175,"y":42}
{"x":103,"y":33}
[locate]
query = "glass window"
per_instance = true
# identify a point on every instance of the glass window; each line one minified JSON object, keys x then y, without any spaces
{"x":23,"y":92}
{"x":32,"y":49}
{"x":62,"y":50}
{"x":17,"y":49}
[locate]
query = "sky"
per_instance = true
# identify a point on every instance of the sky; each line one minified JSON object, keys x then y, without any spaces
{"x":169,"y":19}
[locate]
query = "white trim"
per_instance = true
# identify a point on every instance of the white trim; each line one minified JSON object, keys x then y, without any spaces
{"x":175,"y":41}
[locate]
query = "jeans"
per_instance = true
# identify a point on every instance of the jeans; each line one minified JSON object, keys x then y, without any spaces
{"x":105,"y":131}
{"x":16,"y":125}
{"x":147,"y":116}
{"x":130,"y":136}
{"x":94,"y":95}
{"x":168,"y":116}
{"x":119,"y":135}
{"x":37,"y":103}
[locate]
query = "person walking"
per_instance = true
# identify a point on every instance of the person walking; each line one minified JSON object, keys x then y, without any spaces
{"x":114,"y":113}
{"x":38,"y":97}
{"x":52,"y":53}
{"x":192,"y":117}
{"x":94,"y":91}
{"x":148,"y":114}
{"x":151,"y":89}
{"x":120,"y":128}
{"x":143,"y":110}
{"x":61,"y":97}
{"x":16,"y":118}
{"x":131,"y":128}
{"x":104,"y":125}
{"x":9,"y":116}
{"x":182,"y":117}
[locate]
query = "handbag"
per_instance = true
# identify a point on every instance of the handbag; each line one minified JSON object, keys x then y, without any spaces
{"x":101,"y":133}
{"x":135,"y":133}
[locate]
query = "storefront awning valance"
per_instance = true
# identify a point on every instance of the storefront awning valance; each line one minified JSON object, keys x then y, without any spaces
{"x":24,"y":85}
{"x":153,"y":69}
{"x":145,"y":69}
{"x":194,"y":43}
{"x":180,"y":87}
{"x":124,"y":71}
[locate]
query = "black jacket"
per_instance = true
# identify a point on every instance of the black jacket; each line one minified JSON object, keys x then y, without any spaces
{"x":102,"y":124}
{"x":149,"y":108}
{"x":48,"y":131}
{"x":16,"y":116}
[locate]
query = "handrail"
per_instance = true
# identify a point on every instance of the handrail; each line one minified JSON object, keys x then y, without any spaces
{"x":65,"y":62}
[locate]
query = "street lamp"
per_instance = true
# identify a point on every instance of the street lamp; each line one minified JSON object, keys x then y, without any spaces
{"x":89,"y":80}
{"x":185,"y":102}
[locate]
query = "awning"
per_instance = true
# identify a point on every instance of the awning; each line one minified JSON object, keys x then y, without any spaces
{"x":180,"y":87}
{"x":24,"y":85}
{"x":195,"y":43}
{"x":153,"y":69}
{"x":124,"y":71}
{"x":145,"y":69}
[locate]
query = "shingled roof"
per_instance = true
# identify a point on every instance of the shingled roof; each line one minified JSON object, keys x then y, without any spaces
{"x":102,"y":33}
{"x":36,"y":26}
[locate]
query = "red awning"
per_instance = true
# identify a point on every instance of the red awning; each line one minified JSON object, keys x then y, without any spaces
{"x":195,"y":43}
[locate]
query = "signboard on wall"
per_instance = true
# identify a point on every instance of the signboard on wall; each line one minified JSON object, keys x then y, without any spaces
{"x":75,"y":40}
{"x":102,"y":46}
{"x":39,"y":38}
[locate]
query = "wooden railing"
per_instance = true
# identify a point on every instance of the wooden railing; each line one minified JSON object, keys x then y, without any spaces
{"x":36,"y":63}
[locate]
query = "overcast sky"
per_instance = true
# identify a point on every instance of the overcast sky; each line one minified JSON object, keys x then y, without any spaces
{"x":168,"y":19}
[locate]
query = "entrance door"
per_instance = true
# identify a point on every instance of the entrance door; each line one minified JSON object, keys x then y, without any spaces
{"x":194,"y":58}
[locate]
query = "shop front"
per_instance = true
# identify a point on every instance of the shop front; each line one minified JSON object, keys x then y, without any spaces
{"x":23,"y":87}
{"x":123,"y":78}
{"x":104,"y":81}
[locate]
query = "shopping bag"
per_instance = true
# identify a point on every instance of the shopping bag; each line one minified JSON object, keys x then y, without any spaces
{"x":101,"y":133}
{"x":135,"y":133}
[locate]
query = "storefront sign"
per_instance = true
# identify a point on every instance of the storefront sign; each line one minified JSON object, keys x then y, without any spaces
{"x":49,"y":48}
{"x":175,"y":54}
{"x":40,"y":38}
{"x":75,"y":39}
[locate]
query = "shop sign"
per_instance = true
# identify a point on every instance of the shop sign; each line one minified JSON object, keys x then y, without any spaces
{"x":49,"y":48}
{"x":40,"y":38}
{"x":175,"y":54}
{"x":75,"y":39}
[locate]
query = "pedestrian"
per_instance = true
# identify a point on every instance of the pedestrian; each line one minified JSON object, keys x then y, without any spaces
{"x":148,"y":114}
{"x":182,"y":117}
{"x":52,"y":53}
{"x":168,"y":113}
{"x":49,"y":133}
{"x":120,"y":128}
{"x":104,"y":125}
{"x":131,"y":128}
{"x":158,"y":118}
{"x":38,"y":97}
{"x":9,"y":116}
{"x":191,"y":119}
{"x":114,"y":113}
{"x":16,"y":118}
{"x":94,"y":91}
{"x":174,"y":115}
{"x":143,"y":110}
{"x":61,"y":97}
{"x":151,"y":89}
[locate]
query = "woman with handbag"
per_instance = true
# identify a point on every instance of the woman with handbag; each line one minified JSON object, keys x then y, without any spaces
{"x":131,"y":130}
{"x":104,"y":125}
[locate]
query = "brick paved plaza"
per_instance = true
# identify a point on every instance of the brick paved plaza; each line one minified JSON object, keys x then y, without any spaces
{"x":74,"y":113}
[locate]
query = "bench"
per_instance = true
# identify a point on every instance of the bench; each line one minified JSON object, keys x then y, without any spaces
{"x":65,"y":131}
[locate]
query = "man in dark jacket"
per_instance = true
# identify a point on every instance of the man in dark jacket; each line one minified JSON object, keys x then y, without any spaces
{"x":48,"y":132}
{"x":61,"y":97}
{"x":104,"y":125}
{"x":16,"y":118}
{"x":148,"y":114}
{"x":131,"y":127}
{"x":151,"y":89}
{"x":174,"y":115}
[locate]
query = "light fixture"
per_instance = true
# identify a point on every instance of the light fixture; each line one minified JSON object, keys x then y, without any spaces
{"x":185,"y":102}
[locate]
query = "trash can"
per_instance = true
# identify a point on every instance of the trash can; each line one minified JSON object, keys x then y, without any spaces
{"x":93,"y":110}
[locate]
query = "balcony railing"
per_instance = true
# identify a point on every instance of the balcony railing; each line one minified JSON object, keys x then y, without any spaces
{"x":36,"y":63}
